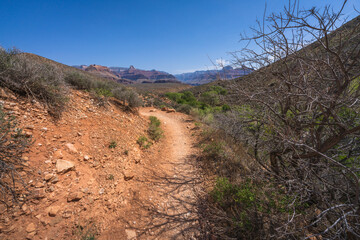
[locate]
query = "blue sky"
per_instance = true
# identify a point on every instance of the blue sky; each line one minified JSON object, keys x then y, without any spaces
{"x":170,"y":35}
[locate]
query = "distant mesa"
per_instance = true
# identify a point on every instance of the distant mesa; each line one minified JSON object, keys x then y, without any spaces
{"x":129,"y":75}
{"x":206,"y":76}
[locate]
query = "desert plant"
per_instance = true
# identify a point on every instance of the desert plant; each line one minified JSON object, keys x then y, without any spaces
{"x":43,"y":82}
{"x":154,"y":130}
{"x":13,"y":144}
{"x":86,"y":231}
{"x":113,"y":144}
{"x":144,"y":142}
{"x":79,"y":81}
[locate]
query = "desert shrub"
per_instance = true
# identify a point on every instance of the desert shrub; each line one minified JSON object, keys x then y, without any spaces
{"x":184,"y":108}
{"x":154,"y":130}
{"x":43,"y":82}
{"x":79,"y":81}
{"x":128,"y":96}
{"x":13,"y":144}
{"x":113,"y":144}
{"x":134,"y":100}
{"x":211,"y":98}
{"x":249,"y":206}
{"x":144,"y":142}
{"x":219,"y":90}
{"x":213,"y":150}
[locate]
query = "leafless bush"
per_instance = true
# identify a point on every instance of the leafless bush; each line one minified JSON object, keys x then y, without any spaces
{"x":13,"y":143}
{"x":300,"y":118}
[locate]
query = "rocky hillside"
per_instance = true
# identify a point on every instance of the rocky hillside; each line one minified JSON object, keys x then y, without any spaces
{"x":76,"y":171}
{"x":130,"y":75}
{"x":203,"y":77}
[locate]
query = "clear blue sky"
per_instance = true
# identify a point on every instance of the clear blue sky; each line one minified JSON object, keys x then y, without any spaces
{"x":170,"y":35}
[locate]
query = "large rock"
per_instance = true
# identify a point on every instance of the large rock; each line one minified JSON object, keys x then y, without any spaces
{"x":62,"y":166}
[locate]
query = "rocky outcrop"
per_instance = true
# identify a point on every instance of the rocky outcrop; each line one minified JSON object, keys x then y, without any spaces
{"x":130,"y":75}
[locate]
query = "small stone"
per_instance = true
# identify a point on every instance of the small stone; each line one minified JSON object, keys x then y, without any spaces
{"x":71,"y":148}
{"x":28,"y":134}
{"x":30,"y":127}
{"x":67,"y":214}
{"x":39,"y":185}
{"x":58,"y":155}
{"x":53,"y":210}
{"x":44,"y":129}
{"x":101,"y":191}
{"x":74,"y":196}
{"x":48,"y":177}
{"x":131,"y":234}
{"x":55,"y":179}
{"x":51,"y":189}
{"x":62,"y":166}
{"x":86,"y":157}
{"x":39,"y":193}
{"x":24,"y":207}
{"x":31,"y":228}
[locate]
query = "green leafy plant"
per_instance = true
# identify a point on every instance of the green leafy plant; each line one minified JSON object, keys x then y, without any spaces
{"x":113,"y":144}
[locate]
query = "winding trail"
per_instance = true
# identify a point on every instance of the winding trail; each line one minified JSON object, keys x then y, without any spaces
{"x":164,"y":202}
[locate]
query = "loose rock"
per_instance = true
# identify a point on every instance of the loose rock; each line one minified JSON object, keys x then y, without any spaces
{"x":63,"y":166}
{"x":71,"y":148}
{"x":74,"y":196}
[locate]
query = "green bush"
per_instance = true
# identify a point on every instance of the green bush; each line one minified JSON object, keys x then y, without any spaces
{"x":154,"y":131}
{"x":144,"y":142}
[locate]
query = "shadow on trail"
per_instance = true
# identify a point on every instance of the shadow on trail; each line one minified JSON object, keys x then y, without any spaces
{"x":175,"y":212}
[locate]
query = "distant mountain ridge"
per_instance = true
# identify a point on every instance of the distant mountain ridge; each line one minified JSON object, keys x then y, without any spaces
{"x":129,"y":75}
{"x":206,"y":76}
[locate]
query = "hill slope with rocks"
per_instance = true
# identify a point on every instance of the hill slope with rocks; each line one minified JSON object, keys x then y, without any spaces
{"x":86,"y":175}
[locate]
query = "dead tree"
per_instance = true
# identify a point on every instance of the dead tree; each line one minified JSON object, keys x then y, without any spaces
{"x":300,"y":116}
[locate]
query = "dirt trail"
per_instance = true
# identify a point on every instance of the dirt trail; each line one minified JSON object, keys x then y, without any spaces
{"x":163,"y":205}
